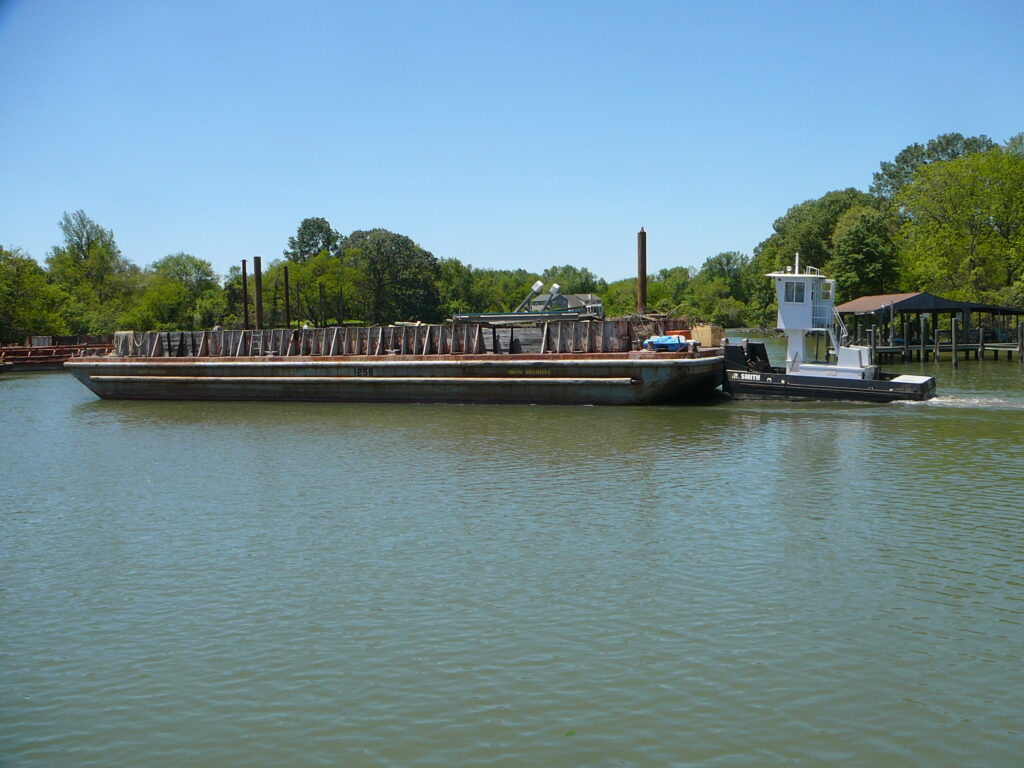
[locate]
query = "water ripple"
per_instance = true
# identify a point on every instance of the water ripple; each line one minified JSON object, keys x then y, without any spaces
{"x":746,"y":585}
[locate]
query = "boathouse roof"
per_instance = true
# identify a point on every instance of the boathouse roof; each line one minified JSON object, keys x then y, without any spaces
{"x":918,"y":301}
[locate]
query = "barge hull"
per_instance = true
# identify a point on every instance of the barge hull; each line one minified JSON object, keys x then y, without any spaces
{"x":593,"y":379}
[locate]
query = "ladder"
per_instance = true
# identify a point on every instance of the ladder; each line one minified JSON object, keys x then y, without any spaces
{"x":639,"y":329}
{"x":841,"y":327}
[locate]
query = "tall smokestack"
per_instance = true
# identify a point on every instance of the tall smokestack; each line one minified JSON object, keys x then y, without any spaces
{"x":641,"y":271}
{"x":257,"y":274}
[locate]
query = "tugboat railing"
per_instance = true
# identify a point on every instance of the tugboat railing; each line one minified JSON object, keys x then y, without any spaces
{"x":843,"y":333}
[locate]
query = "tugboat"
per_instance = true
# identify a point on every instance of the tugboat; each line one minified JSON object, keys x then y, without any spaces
{"x":807,"y":305}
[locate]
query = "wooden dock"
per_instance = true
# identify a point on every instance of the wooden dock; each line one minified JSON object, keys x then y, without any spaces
{"x":946,"y":344}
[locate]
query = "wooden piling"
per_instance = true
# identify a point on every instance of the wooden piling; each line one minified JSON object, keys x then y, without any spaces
{"x":641,"y":272}
{"x":953,"y":339}
{"x":245,"y":298}
{"x":258,"y":278}
{"x":923,"y":340}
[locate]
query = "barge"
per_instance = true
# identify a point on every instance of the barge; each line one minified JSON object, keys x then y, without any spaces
{"x":806,"y":305}
{"x":580,"y":363}
{"x":49,"y":353}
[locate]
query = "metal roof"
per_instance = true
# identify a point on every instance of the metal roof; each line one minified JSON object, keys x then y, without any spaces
{"x":918,"y":302}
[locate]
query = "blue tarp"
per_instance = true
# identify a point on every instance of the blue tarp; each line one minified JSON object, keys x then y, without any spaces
{"x":669,"y":344}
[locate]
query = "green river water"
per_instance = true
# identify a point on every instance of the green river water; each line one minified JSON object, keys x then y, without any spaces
{"x":736,"y":584}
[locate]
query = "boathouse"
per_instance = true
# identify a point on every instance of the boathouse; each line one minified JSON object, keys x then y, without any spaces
{"x":895,"y":323}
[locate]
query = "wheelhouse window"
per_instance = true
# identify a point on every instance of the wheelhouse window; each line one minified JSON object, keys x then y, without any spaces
{"x":795,"y":292}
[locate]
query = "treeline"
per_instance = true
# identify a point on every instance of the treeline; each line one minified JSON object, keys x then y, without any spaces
{"x":945,"y":217}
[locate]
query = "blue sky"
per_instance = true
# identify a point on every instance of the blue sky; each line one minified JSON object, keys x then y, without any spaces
{"x":504,"y":134}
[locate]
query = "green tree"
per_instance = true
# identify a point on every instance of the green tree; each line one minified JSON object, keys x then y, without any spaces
{"x":666,"y":292}
{"x":710,"y":300}
{"x":572,"y":279}
{"x":619,"y":298}
{"x":806,"y":229}
{"x":964,"y":232}
{"x":315,"y":235}
{"x":730,"y":266}
{"x":102,"y":285}
{"x":180,"y":292}
{"x":455,"y":287}
{"x":892,"y":177}
{"x":233,"y":314}
{"x":717,"y":293}
{"x":29,"y":304}
{"x":500,"y":290}
{"x":305,"y":281}
{"x":396,"y":278}
{"x":865,"y":256}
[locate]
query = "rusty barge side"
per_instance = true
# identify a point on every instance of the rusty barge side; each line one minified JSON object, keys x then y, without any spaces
{"x":631,"y":378}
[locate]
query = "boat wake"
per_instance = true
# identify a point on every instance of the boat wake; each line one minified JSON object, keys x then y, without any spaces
{"x":963,"y":401}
